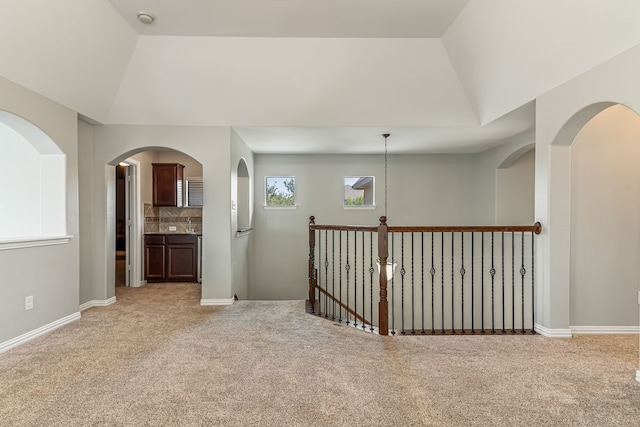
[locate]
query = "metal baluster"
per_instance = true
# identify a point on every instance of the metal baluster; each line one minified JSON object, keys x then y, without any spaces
{"x":513,"y":284}
{"x":402,"y":271}
{"x":432,"y":271}
{"x":371,"y":271}
{"x":340,"y":283}
{"x":333,"y":273}
{"x":442,"y":278}
{"x":533,"y":294}
{"x":312,"y":257}
{"x":413,"y":329}
{"x":393,"y":280}
{"x":453,"y":290}
{"x":347,"y":268}
{"x":462,"y":272}
{"x":522,"y":273}
{"x":482,"y":287}
{"x":473,"y":299}
{"x":422,"y":277}
{"x":355,"y":279}
{"x":326,"y":273}
{"x":364,"y":317}
{"x":502,"y":269}
{"x":493,"y":275}
{"x":319,"y":278}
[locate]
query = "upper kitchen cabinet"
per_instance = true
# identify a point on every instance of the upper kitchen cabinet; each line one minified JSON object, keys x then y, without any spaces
{"x":168,"y":184}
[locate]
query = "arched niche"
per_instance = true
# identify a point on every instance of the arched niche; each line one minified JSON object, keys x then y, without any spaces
{"x":243,"y":196}
{"x":33,"y":188}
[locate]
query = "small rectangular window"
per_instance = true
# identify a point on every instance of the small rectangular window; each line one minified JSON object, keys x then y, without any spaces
{"x":194,"y":192}
{"x":280,"y":191}
{"x":359,"y":191}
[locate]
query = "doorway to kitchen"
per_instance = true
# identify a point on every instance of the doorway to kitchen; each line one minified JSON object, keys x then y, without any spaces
{"x":125,"y":218}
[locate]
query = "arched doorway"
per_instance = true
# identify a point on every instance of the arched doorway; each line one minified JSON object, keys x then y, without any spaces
{"x":146,"y":217}
{"x":568,"y":295}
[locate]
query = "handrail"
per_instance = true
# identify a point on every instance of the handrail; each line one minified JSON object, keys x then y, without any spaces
{"x":344,"y":227}
{"x":535,"y":228}
{"x":343,"y":305}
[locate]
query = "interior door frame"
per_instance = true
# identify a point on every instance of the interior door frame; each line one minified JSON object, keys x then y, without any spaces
{"x":133,"y":212}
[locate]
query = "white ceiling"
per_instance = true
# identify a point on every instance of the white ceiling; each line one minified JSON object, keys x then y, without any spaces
{"x":293,"y":18}
{"x":403,"y":140}
{"x":305,"y":76}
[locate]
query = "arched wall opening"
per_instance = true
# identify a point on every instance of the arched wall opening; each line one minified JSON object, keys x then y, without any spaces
{"x":605,"y":232}
{"x":243,"y":196}
{"x":34,"y":182}
{"x":150,"y":219}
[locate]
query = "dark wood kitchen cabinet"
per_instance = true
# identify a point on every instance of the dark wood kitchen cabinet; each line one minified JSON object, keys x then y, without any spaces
{"x":171,"y":258}
{"x":168,"y":184}
{"x":154,"y":258}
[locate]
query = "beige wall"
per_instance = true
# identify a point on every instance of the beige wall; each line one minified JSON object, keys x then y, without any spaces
{"x":49,"y":273}
{"x":560,"y":115}
{"x":240,"y":242}
{"x":515,"y":187}
{"x":210,"y":146}
{"x":422,"y":190}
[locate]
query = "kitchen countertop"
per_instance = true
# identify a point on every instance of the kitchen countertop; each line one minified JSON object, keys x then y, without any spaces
{"x":171,"y":233}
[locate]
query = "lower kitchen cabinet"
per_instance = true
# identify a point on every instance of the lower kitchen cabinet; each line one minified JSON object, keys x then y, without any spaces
{"x":171,"y":257}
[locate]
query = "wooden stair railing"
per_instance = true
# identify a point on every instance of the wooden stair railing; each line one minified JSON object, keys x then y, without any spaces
{"x":382,"y":232}
{"x":344,"y":306}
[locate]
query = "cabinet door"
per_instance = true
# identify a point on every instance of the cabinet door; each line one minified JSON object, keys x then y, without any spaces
{"x":167,"y":185}
{"x":154,"y":262}
{"x":181,"y":262}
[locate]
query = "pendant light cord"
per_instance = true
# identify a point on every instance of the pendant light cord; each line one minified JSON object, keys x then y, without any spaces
{"x":386,"y":135}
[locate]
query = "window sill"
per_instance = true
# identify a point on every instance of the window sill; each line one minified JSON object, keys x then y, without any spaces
{"x":32,"y":242}
{"x":366,"y":207}
{"x":280,"y":208}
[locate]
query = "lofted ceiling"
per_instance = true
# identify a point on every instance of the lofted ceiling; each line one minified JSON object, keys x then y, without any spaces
{"x":309,"y":76}
{"x":292,"y":18}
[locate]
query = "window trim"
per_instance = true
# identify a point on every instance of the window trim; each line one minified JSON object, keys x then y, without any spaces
{"x":371,"y":206}
{"x":32,"y":242}
{"x":279,"y":207}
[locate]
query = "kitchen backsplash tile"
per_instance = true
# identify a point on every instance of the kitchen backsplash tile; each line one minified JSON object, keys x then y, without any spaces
{"x":160,"y":219}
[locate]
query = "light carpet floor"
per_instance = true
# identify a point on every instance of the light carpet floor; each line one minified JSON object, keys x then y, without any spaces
{"x":158,"y":358}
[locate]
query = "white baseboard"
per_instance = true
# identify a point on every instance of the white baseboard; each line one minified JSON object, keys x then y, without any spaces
{"x":216,"y":301}
{"x":605,"y":329}
{"x":37,"y":332}
{"x":97,"y":303}
{"x":638,"y":375}
{"x":552,"y":333}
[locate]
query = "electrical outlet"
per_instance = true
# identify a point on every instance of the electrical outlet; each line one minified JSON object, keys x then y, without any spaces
{"x":28,"y":302}
{"x":172,"y":228}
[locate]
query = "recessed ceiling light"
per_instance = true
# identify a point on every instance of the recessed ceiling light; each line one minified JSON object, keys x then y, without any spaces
{"x":145,"y":17}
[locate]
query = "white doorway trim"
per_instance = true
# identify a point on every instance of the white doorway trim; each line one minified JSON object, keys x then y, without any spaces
{"x":134,"y":219}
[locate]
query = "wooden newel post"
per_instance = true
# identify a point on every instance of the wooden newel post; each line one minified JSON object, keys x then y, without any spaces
{"x":383,"y":255}
{"x":312,"y":275}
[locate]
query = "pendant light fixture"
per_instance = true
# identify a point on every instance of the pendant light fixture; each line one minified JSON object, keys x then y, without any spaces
{"x":391,"y":265}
